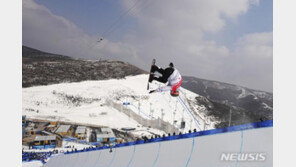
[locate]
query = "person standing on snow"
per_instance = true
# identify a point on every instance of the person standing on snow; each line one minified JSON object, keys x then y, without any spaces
{"x":170,"y":75}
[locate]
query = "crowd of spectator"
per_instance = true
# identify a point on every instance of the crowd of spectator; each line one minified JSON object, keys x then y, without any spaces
{"x":41,"y":156}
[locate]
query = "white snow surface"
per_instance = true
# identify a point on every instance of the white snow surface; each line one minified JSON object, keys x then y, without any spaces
{"x":32,"y":164}
{"x":85,"y":102}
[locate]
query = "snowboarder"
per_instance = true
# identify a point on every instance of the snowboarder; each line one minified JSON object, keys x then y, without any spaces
{"x":170,"y":75}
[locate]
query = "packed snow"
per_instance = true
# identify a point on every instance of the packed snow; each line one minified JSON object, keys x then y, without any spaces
{"x":32,"y":164}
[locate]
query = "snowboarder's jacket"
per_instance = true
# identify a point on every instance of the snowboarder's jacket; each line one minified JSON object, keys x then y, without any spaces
{"x":175,"y":77}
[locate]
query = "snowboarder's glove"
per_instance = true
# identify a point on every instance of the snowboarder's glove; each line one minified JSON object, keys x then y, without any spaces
{"x":151,"y":91}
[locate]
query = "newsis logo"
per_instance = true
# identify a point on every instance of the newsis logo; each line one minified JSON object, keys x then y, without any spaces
{"x":248,"y":157}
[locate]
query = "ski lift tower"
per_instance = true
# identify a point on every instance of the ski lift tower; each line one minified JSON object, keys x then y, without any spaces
{"x":150,"y":108}
{"x":162,"y":114}
{"x":182,"y":126}
{"x":151,"y":113}
{"x":191,"y":123}
{"x":174,"y":116}
{"x":139,"y":107}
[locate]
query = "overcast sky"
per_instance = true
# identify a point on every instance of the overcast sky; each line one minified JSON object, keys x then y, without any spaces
{"x":223,"y":40}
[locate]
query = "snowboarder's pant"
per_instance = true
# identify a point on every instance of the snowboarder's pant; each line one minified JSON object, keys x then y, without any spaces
{"x":156,"y":68}
{"x":160,"y":79}
{"x":163,"y":78}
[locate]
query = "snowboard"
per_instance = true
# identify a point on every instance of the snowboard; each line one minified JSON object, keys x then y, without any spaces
{"x":153,"y":63}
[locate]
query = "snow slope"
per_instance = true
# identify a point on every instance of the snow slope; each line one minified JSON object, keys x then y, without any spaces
{"x":88,"y":102}
{"x":32,"y":164}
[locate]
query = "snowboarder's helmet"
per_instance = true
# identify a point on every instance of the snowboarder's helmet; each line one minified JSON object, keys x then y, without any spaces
{"x":171,"y":64}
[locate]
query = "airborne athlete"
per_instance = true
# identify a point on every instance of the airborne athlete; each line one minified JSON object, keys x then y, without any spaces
{"x":170,"y":75}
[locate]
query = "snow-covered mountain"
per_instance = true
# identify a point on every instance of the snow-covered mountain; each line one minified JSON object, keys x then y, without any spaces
{"x":254,"y":105}
{"x":103,"y":103}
